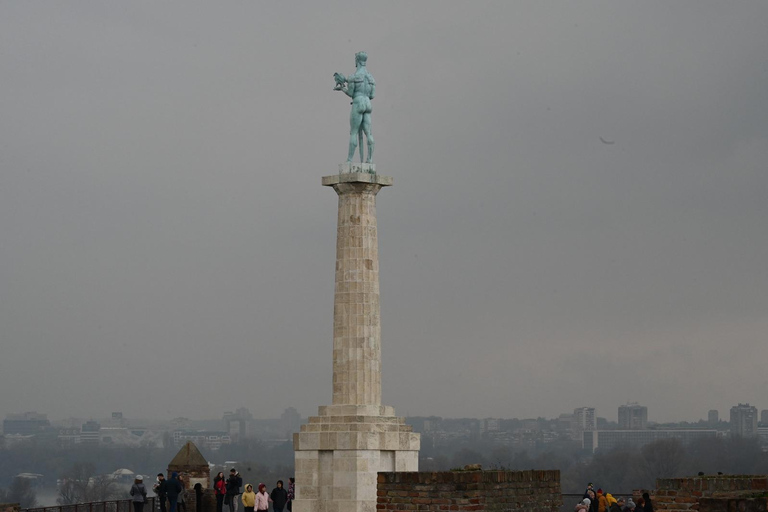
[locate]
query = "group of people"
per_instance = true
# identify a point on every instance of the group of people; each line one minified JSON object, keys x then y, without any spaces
{"x":227,"y":491}
{"x":172,"y":490}
{"x":599,"y":501}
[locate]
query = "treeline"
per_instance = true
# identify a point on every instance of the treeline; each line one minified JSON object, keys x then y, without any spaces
{"x":621,"y":469}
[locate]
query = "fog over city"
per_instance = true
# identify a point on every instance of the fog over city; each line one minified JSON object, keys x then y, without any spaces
{"x":578,"y":216}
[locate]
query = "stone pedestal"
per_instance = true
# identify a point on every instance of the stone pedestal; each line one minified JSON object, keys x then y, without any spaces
{"x":341,"y":450}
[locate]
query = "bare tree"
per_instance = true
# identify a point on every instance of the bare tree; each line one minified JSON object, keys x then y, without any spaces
{"x":20,"y":492}
{"x":80,"y":485}
{"x":662,"y":459}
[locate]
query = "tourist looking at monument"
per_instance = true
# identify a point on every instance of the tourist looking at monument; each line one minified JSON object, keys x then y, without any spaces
{"x":234,"y":482}
{"x":249,"y":498}
{"x":220,"y":490}
{"x":138,"y":493}
{"x":262,"y":499}
{"x":278,"y":497}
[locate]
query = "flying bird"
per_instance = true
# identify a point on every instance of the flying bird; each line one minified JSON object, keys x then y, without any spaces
{"x":606,"y":141}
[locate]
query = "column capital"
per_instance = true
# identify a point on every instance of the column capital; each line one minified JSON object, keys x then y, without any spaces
{"x":357,"y":177}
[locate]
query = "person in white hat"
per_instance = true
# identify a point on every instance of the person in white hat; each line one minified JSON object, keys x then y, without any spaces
{"x":138,"y":493}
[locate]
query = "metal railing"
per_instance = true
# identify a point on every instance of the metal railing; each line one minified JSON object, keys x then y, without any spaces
{"x":97,"y":506}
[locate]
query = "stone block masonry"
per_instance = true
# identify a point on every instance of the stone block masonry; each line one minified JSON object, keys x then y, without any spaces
{"x":469,"y":491}
{"x":340,"y":451}
{"x":722,"y":493}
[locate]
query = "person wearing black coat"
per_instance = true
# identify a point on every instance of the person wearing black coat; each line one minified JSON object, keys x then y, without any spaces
{"x":647,"y":505}
{"x":279,"y":497}
{"x":173,"y":488}
{"x":160,"y":489}
{"x":234,"y":482}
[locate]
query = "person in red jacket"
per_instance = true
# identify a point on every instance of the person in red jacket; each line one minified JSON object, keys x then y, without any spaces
{"x":220,"y":489}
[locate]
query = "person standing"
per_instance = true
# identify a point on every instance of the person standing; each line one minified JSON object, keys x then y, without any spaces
{"x":249,"y":498}
{"x":602,"y":501}
{"x":291,"y":493}
{"x":593,"y":500}
{"x":279,"y":497}
{"x":234,"y":482}
{"x":160,"y":489}
{"x":647,"y":504}
{"x":173,"y":489}
{"x":138,"y":493}
{"x":181,"y":502}
{"x":262,"y":499}
{"x":220,"y":490}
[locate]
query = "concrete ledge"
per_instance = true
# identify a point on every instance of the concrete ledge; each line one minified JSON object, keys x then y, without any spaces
{"x":357,"y":177}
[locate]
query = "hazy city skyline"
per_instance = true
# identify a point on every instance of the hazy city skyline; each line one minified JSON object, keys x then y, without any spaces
{"x":167,"y":249}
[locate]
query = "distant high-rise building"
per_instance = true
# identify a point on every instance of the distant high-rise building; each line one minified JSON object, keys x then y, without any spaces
{"x":633,"y":417}
{"x":28,"y":423}
{"x":714,"y":417}
{"x":764,"y":417}
{"x":90,"y":432}
{"x":744,"y":420}
{"x":237,"y":423}
{"x":583,"y":421}
{"x":290,"y":421}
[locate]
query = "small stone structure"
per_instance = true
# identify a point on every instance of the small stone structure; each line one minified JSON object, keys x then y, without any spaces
{"x":191,"y":463}
{"x":470,"y":491}
{"x":721,"y":493}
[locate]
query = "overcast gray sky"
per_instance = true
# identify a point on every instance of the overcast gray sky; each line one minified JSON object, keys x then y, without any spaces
{"x":166,"y":248}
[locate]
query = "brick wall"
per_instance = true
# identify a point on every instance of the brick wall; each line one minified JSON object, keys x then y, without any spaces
{"x":470,"y":491}
{"x":726,"y":493}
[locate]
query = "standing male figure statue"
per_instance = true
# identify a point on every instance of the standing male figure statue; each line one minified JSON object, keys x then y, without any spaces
{"x":361,"y":87}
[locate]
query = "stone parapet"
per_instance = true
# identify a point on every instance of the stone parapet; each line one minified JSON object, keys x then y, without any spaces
{"x":711,"y":493}
{"x":470,"y":491}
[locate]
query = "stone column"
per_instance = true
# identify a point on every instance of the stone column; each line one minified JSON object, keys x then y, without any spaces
{"x":356,"y":312}
{"x":341,"y":450}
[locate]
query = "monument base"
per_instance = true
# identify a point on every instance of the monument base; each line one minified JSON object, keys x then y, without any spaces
{"x":340,"y":452}
{"x":353,"y":168}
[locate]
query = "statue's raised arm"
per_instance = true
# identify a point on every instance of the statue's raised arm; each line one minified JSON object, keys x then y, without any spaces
{"x":361,"y":87}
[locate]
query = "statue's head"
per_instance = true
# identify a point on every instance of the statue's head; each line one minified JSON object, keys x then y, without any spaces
{"x":361,"y":58}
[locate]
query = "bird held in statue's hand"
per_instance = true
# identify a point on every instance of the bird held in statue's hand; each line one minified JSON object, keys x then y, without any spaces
{"x":340,"y":81}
